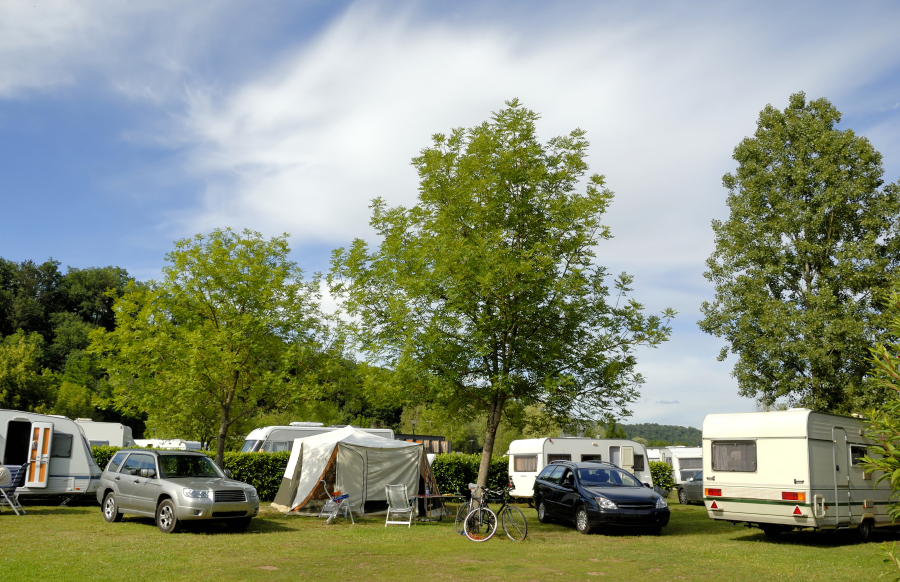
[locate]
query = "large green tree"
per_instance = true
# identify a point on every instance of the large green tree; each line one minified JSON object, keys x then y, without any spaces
{"x":487,"y":290}
{"x":227,"y":333}
{"x":804,"y":261}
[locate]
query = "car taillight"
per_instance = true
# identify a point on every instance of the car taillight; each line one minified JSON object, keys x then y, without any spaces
{"x":712,"y":492}
{"x":793,"y":496}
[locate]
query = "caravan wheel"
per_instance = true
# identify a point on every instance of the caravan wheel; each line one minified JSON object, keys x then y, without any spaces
{"x":864,"y":531}
{"x":771,"y":530}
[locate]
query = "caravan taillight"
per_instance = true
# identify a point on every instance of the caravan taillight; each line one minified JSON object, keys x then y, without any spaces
{"x":712,"y":492}
{"x":793,"y":496}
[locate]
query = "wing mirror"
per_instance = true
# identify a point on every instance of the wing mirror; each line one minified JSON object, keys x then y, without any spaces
{"x":148,"y":473}
{"x":647,"y":485}
{"x":227,"y":473}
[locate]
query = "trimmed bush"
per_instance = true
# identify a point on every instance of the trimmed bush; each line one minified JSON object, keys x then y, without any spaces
{"x":102,"y":455}
{"x":454,"y":471}
{"x":661,"y":472}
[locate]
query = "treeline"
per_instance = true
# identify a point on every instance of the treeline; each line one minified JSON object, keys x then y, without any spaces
{"x":663,"y":434}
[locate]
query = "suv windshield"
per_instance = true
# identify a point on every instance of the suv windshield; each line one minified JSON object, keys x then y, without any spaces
{"x":175,"y":466}
{"x":606,"y":478}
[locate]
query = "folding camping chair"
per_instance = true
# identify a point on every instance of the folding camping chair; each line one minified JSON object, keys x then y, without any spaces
{"x":8,"y":495}
{"x":398,"y":503}
{"x":335,"y":506}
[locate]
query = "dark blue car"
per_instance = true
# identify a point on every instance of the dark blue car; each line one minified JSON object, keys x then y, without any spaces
{"x":596,"y":495}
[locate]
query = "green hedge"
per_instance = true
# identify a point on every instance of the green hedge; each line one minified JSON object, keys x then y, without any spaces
{"x":662,"y":475}
{"x":454,"y":471}
{"x":262,"y":470}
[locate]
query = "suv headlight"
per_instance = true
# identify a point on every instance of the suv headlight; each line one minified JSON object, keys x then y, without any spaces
{"x":661,"y":503}
{"x":196,"y":493}
{"x":251,"y":494}
{"x":605,"y":503}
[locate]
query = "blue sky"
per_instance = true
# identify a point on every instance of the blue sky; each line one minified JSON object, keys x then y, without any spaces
{"x":125,"y":126}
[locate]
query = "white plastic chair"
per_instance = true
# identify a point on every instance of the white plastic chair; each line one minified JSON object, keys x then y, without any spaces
{"x":398,"y":504}
{"x":335,"y":506}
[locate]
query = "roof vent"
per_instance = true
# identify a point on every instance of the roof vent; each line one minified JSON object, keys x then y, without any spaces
{"x":307,"y":424}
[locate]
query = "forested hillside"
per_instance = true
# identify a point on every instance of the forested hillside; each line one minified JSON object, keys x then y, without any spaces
{"x":675,"y":435}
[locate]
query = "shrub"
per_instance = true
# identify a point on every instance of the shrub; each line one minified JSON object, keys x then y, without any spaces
{"x":662,"y":475}
{"x":454,"y":471}
{"x":103,"y":454}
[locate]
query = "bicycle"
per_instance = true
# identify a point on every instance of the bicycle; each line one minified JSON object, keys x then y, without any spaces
{"x":481,"y":523}
{"x":465,"y":507}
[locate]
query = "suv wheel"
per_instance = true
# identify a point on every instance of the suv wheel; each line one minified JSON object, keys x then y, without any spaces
{"x":165,"y":517}
{"x":682,"y":497}
{"x":111,"y":508}
{"x":542,"y":513}
{"x":581,"y":521}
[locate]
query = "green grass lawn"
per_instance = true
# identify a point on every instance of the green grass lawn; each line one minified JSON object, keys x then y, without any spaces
{"x":74,"y":543}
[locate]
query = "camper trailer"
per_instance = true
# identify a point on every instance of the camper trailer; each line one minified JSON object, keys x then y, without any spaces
{"x":271,"y":439}
{"x":54,"y":449}
{"x":685,"y":461}
{"x":528,"y":456}
{"x":109,"y":434}
{"x":791,"y":469}
{"x":171,"y":444}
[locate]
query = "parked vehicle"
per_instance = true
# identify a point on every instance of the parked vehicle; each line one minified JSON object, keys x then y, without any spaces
{"x":110,"y":434}
{"x":691,"y":490}
{"x":528,"y":456}
{"x":791,"y":469}
{"x":56,"y":452}
{"x":685,"y":461}
{"x":172,"y":444}
{"x":271,"y":439}
{"x":174,"y":487}
{"x":597,"y":495}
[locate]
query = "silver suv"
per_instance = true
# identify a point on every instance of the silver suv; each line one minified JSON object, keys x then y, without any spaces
{"x":174,"y":486}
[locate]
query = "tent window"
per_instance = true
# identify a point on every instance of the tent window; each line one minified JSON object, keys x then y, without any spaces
{"x":856,"y":455}
{"x":691,"y":463}
{"x":61,"y":447}
{"x":589,"y":458}
{"x":525,"y":463}
{"x":551,"y":458}
{"x":639,"y":462}
{"x":736,"y":456}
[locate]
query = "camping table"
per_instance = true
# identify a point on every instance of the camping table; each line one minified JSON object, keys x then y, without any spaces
{"x":427,"y":498}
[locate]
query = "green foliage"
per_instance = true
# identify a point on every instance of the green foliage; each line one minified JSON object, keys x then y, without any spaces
{"x":230,"y":331}
{"x":23,"y":384}
{"x":804,"y":260}
{"x":487,"y":291}
{"x":615,"y":431}
{"x":661,"y":435}
{"x":262,"y":470}
{"x":454,"y":471}
{"x":661,"y":472}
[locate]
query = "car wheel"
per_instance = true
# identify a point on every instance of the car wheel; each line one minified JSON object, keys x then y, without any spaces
{"x":772,"y":530}
{"x":165,"y":517}
{"x":542,"y":513}
{"x":682,"y":497}
{"x":111,"y":508}
{"x":238,"y":525}
{"x":582,"y":524}
{"x":864,"y":531}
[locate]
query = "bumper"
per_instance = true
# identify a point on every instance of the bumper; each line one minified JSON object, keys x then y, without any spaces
{"x":202,"y":509}
{"x":629,"y":517}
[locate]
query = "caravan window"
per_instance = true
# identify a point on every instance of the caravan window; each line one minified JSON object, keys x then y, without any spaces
{"x":525,"y":463}
{"x":694,"y":463}
{"x":638,"y":463}
{"x":62,"y":446}
{"x":551,"y":458}
{"x":276,"y":447}
{"x":591,"y":458}
{"x":856,"y":455}
{"x":737,"y":456}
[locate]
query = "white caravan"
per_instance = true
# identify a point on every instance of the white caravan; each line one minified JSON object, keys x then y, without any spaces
{"x":271,"y":439}
{"x":685,"y":461}
{"x":528,"y":456}
{"x":55,"y":450}
{"x":109,"y":434}
{"x":171,"y":444}
{"x":791,"y":469}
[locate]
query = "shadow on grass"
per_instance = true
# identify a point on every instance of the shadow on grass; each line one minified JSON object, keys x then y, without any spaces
{"x":257,"y":526}
{"x":817,"y":539}
{"x":63,"y":510}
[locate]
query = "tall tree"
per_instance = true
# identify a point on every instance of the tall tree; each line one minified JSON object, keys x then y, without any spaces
{"x":488,"y":285}
{"x":224,"y":335}
{"x":802,"y":264}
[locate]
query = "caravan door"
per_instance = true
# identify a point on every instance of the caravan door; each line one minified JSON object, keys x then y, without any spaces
{"x":39,"y":455}
{"x":628,"y":459}
{"x":841,"y":455}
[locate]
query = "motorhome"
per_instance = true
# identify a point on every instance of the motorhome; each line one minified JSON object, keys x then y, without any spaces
{"x":55,"y":450}
{"x":110,"y":434}
{"x":528,"y":456}
{"x":791,"y":469}
{"x":174,"y":444}
{"x":685,"y":461}
{"x":271,"y":439}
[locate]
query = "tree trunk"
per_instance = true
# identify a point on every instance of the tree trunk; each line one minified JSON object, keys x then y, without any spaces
{"x":493,"y":423}
{"x":220,"y":438}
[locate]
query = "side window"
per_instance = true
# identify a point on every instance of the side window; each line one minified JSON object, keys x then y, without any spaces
{"x":114,"y":463}
{"x":135,"y":463}
{"x":61,"y":447}
{"x":736,"y":456}
{"x":545,"y":474}
{"x":588,"y":458}
{"x":556,"y":474}
{"x":147,"y":462}
{"x":551,"y":458}
{"x":856,"y":455}
{"x":638,"y":463}
{"x":567,"y":478}
{"x":525,"y":463}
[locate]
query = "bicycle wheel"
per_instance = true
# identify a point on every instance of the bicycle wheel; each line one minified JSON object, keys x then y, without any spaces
{"x":514,"y":523}
{"x":461,"y":514}
{"x":480,"y":524}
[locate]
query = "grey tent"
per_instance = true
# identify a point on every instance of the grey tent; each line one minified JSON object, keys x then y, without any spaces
{"x":354,"y":462}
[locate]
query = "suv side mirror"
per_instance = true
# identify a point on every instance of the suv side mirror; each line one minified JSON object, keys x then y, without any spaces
{"x":227,"y":473}
{"x":148,"y":473}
